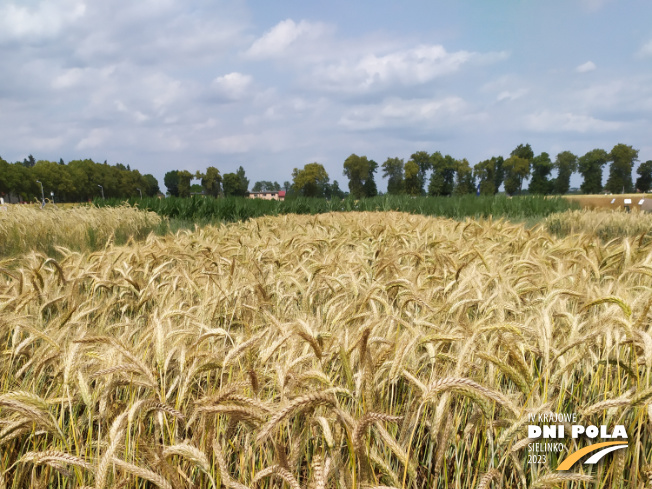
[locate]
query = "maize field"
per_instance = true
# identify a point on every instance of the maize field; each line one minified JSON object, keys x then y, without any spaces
{"x":340,"y":350}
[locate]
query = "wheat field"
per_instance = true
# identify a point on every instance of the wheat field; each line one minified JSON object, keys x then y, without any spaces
{"x":82,"y":228}
{"x":334,"y":351}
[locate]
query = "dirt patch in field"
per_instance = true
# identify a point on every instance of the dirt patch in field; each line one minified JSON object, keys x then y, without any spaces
{"x":636,"y":201}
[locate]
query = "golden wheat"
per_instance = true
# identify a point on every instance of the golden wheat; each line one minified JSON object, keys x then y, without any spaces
{"x":331,"y":351}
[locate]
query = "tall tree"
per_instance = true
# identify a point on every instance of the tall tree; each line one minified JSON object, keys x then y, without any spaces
{"x":566,"y":165}
{"x":622,"y":159}
{"x":464,"y":181}
{"x":334,"y":191}
{"x":644,"y":180}
{"x":311,"y":181}
{"x":516,"y":170}
{"x":370,"y":189}
{"x":412,"y":183}
{"x":422,"y":158}
{"x":171,"y":181}
{"x":151,"y":185}
{"x":55,"y":178}
{"x":266,"y":186}
{"x":211,"y":181}
{"x":29,"y":162}
{"x":489,"y":174}
{"x":523,"y":151}
{"x":541,"y":169}
{"x":244,"y":181}
{"x":356,"y":168}
{"x":393,"y":171}
{"x":235,"y":184}
{"x":184,"y":182}
{"x":590,"y":166}
{"x":442,"y":179}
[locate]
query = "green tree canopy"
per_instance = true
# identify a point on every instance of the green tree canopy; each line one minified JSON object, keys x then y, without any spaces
{"x":442,"y":180}
{"x":412,"y":183}
{"x":644,"y":180}
{"x":356,"y":169}
{"x":590,"y":166}
{"x":235,"y":184}
{"x":151,"y":185}
{"x":523,"y":151}
{"x":516,"y":170}
{"x":370,"y":189}
{"x":311,"y":181}
{"x":78,"y":180}
{"x":422,"y":158}
{"x":211,"y":181}
{"x":185,"y":178}
{"x":265,"y":186}
{"x":244,"y":181}
{"x":393,"y":171}
{"x":566,"y":165}
{"x":541,"y":168}
{"x":171,"y":181}
{"x":622,"y":159}
{"x":464,"y":181}
{"x":489,"y":174}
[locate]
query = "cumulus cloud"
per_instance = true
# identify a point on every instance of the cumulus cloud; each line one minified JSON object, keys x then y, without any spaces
{"x":95,"y":138}
{"x":549,"y":121}
{"x":594,"y":5}
{"x":44,"y":21}
{"x":511,"y":94}
{"x":586,"y":67}
{"x":395,"y":112}
{"x":409,"y":67}
{"x":233,"y":86}
{"x":237,"y":143}
{"x":287,"y":33}
{"x":646,"y":49}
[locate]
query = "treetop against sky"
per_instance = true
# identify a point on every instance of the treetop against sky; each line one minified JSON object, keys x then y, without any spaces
{"x":183,"y":85}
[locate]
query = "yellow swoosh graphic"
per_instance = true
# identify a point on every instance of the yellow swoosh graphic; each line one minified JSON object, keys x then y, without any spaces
{"x":575,"y":456}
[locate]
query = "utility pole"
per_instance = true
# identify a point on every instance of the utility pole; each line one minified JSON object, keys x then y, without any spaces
{"x":42,"y":194}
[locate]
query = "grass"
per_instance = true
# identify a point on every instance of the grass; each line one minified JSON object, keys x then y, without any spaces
{"x":343,"y":350}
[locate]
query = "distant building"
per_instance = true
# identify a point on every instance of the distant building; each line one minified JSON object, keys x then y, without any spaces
{"x":268,"y":195}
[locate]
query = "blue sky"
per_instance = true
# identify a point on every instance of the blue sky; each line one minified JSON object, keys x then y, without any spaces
{"x":185,"y":84}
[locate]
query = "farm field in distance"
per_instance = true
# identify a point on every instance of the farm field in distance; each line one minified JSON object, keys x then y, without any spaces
{"x":605,"y":201}
{"x":337,"y":350}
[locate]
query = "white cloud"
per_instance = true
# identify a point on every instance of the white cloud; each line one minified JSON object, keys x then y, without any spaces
{"x":547,"y":121}
{"x":511,"y":94}
{"x":586,"y":67}
{"x":233,"y":86}
{"x":646,"y":49}
{"x":400,"y":112}
{"x":593,"y":5}
{"x":95,"y":138}
{"x":409,"y":67}
{"x":46,"y":20}
{"x":278,"y":40}
{"x":68,"y":78}
{"x":238,"y":143}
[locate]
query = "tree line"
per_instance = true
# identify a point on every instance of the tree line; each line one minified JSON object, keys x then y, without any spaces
{"x":78,"y":180}
{"x":424,"y":173}
{"x":442,"y":175}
